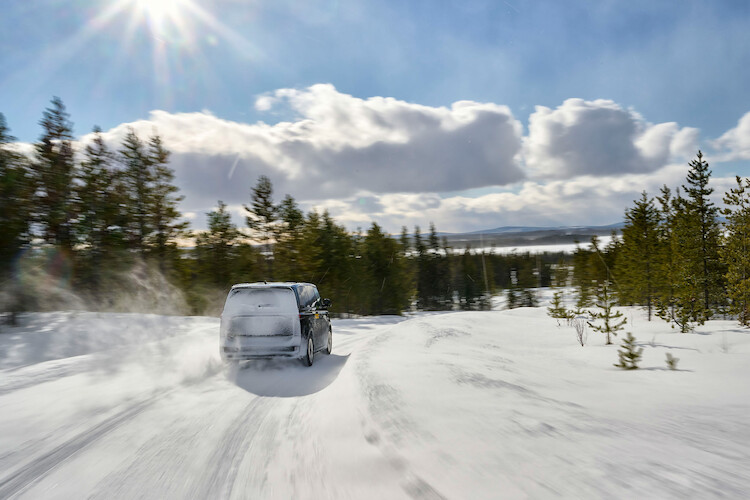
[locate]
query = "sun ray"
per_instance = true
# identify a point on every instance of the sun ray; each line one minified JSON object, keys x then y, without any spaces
{"x":111,"y":71}
{"x":40,"y":71}
{"x":175,"y":32}
{"x":238,"y":42}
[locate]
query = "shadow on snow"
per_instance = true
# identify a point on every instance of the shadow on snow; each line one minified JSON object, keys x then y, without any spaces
{"x":286,"y":378}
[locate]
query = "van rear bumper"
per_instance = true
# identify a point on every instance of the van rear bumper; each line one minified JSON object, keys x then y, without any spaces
{"x":249,"y":347}
{"x":232,"y":353}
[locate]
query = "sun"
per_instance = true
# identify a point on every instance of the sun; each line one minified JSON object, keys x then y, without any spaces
{"x":159,"y":12}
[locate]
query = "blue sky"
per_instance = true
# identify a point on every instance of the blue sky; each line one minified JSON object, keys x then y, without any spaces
{"x":631,"y":65}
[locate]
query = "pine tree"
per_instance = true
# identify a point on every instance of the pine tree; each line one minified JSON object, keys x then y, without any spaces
{"x":16,"y":189}
{"x":434,"y":291}
{"x":559,"y":280}
{"x":16,"y":194}
{"x":425,"y":292}
{"x":469,"y":282}
{"x":137,"y":178}
{"x":404,"y":240}
{"x":100,"y":200}
{"x":695,"y":245}
{"x":287,"y":252}
{"x":671,"y":361}
{"x":333,"y":249}
{"x":583,"y":276}
{"x":54,"y":173}
{"x":629,"y":354}
{"x":667,"y":270}
{"x":639,"y":259}
{"x":736,"y":250}
{"x":215,"y":249}
{"x":513,"y":294}
{"x":310,"y":248}
{"x":358,"y":288}
{"x":561,"y":274}
{"x":383,"y":262}
{"x":440,"y":271}
{"x":522,"y":281}
{"x":163,"y":204}
{"x":261,"y":218}
{"x":152,"y":217}
{"x":410,"y":265}
{"x":611,"y":321}
{"x":557,"y":309}
{"x":602,"y":260}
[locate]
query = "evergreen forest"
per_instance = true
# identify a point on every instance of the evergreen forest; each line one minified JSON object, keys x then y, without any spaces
{"x":100,"y":228}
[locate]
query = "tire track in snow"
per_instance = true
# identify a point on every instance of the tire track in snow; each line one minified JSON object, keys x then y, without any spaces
{"x":385,"y":406}
{"x":38,"y":468}
{"x":228,"y":451}
{"x":53,"y":374}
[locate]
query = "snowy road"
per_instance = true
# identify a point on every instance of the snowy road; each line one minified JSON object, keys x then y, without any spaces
{"x":498,"y":404}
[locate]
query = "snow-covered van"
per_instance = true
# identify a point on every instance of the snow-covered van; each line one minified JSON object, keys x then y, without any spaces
{"x":263,"y":320}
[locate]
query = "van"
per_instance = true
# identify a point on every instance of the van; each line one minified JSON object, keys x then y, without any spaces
{"x":262,"y":320}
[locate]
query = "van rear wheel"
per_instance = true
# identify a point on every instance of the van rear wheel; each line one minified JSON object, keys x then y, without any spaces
{"x":310,"y":354}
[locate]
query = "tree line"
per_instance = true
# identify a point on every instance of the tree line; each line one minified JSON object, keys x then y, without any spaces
{"x":96,"y":214}
{"x":681,"y":257}
{"x":89,"y":217}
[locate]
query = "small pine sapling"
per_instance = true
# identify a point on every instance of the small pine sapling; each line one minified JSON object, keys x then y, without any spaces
{"x":528,"y":298}
{"x":514,"y":292}
{"x":611,"y":322}
{"x":513,"y":298}
{"x":629,"y":354}
{"x":672,"y":362}
{"x":556,"y":309}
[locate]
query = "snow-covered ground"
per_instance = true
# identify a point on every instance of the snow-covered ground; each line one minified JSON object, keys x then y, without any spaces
{"x":499,"y":404}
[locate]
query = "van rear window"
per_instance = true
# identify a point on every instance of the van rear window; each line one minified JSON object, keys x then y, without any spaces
{"x":261,"y":301}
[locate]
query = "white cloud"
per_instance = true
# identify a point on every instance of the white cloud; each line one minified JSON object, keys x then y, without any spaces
{"x":735,"y":143}
{"x":598,"y":138}
{"x":341,"y":144}
{"x":264,"y":103}
{"x":684,"y":143}
{"x":584,"y":200}
{"x":385,"y":160}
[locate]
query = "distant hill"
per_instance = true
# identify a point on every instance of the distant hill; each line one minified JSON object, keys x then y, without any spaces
{"x":529,"y":229}
{"x":507,"y":236}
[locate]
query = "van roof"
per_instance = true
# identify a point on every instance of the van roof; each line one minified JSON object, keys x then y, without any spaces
{"x":270,"y":284}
